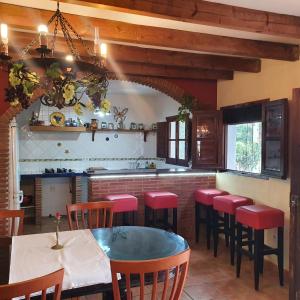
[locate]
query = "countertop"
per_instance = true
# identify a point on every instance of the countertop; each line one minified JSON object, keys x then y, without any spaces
{"x":124,"y":172}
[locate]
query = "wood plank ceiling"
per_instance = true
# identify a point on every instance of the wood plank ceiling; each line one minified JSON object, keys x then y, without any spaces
{"x":167,"y":52}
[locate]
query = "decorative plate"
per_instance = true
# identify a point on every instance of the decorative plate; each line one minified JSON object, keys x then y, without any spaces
{"x":57,"y":119}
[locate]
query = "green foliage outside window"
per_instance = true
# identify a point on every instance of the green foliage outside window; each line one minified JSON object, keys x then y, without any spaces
{"x":248,"y":147}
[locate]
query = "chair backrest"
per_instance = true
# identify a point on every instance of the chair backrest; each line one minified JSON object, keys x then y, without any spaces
{"x":12,"y":221}
{"x":164,"y":270}
{"x":41,"y":284}
{"x":91,"y":214}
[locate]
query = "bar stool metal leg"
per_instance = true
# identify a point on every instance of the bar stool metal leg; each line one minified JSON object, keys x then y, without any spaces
{"x":175,"y":220}
{"x":239,"y":249}
{"x":166,"y":218}
{"x":280,"y":254}
{"x":153,"y":217}
{"x":226,"y":225}
{"x":215,"y":232}
{"x":262,"y":246}
{"x":232,"y":238}
{"x":208,"y":226}
{"x":197,"y":221}
{"x":257,"y":256}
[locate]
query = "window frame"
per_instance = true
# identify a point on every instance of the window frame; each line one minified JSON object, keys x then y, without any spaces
{"x":176,"y":160}
{"x":264,"y":174}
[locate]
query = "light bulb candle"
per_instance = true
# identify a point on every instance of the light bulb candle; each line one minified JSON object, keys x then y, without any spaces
{"x":96,"y":41}
{"x":103,"y":50}
{"x":4,"y":39}
{"x":43,"y":30}
{"x":69,"y":59}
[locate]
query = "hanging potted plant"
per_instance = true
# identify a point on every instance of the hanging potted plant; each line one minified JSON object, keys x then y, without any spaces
{"x":188,"y":105}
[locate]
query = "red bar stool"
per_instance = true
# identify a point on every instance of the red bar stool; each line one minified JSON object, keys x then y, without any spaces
{"x":227,"y":205}
{"x":124,"y":203}
{"x":260,"y":217}
{"x":157,"y":201}
{"x":204,"y":199}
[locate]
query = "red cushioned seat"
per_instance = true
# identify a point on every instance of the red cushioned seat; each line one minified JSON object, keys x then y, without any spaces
{"x":260,"y":216}
{"x":229,"y":203}
{"x":161,"y":200}
{"x":123,"y":202}
{"x":205,"y":196}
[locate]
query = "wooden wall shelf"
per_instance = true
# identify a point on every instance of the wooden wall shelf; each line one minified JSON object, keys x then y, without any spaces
{"x":57,"y":129}
{"x":83,"y":129}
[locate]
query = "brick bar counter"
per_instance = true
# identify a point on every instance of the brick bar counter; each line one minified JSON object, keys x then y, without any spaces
{"x":182,"y":183}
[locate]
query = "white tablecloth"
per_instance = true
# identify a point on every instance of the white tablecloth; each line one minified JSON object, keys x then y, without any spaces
{"x":83,"y":260}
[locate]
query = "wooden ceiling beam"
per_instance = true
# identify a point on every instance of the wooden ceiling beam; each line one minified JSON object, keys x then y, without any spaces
{"x":117,"y":63}
{"x":122,"y":53}
{"x":206,"y":13}
{"x":127,"y":68}
{"x":180,"y":59}
{"x":152,"y":36}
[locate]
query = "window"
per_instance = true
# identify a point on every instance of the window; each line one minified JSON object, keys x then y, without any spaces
{"x":244,"y":147}
{"x":178,"y":152}
{"x":256,"y":137}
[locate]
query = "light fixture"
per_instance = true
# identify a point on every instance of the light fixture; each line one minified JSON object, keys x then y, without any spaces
{"x":69,"y":58}
{"x":91,"y":65}
{"x":103,"y":50}
{"x":4,"y":42}
{"x":43,"y":31}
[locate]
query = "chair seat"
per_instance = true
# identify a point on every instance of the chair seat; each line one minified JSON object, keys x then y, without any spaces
{"x":123,"y":202}
{"x":161,"y":200}
{"x":260,"y":216}
{"x":229,"y":203}
{"x":206,"y":196}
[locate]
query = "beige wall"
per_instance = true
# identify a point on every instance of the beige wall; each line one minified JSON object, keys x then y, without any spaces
{"x":276,"y":80}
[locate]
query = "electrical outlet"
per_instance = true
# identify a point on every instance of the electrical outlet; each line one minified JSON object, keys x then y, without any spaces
{"x":52,"y":188}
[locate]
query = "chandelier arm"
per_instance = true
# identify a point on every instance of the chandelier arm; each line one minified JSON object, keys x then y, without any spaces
{"x":54,"y":36}
{"x":68,"y":38}
{"x":87,"y":49}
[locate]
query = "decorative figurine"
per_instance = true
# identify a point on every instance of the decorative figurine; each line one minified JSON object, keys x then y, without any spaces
{"x":94,"y":127}
{"x":120,"y":116}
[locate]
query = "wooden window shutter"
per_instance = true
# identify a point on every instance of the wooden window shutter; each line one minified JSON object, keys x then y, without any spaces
{"x":275,"y":138}
{"x":207,"y":140}
{"x":162,"y":140}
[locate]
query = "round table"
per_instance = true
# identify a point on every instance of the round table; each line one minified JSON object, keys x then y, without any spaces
{"x":138,"y":243}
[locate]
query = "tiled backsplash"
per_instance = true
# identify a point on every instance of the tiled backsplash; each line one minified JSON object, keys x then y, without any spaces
{"x":111,"y":150}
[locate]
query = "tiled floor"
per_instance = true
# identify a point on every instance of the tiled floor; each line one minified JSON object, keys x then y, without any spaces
{"x":212,"y":278}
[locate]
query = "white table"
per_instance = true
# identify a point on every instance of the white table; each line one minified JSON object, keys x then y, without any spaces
{"x":84,"y":262}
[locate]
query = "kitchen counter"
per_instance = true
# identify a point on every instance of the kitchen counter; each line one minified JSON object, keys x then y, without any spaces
{"x":121,"y":173}
{"x":182,"y":182}
{"x":53,"y":175}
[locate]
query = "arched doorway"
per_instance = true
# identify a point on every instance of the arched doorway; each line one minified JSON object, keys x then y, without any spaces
{"x":162,"y":85}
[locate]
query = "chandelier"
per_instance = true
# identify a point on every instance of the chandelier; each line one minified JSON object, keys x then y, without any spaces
{"x":65,"y":80}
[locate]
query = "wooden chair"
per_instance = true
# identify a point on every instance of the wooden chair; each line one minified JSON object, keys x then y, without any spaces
{"x":92,"y":214}
{"x":26,"y":288}
{"x":177,"y":265}
{"x":12,"y":216}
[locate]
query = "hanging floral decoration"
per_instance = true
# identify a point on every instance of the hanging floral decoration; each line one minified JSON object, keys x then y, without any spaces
{"x":61,"y":89}
{"x":22,"y":84}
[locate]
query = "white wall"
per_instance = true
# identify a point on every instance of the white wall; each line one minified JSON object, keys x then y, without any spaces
{"x":76,"y":151}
